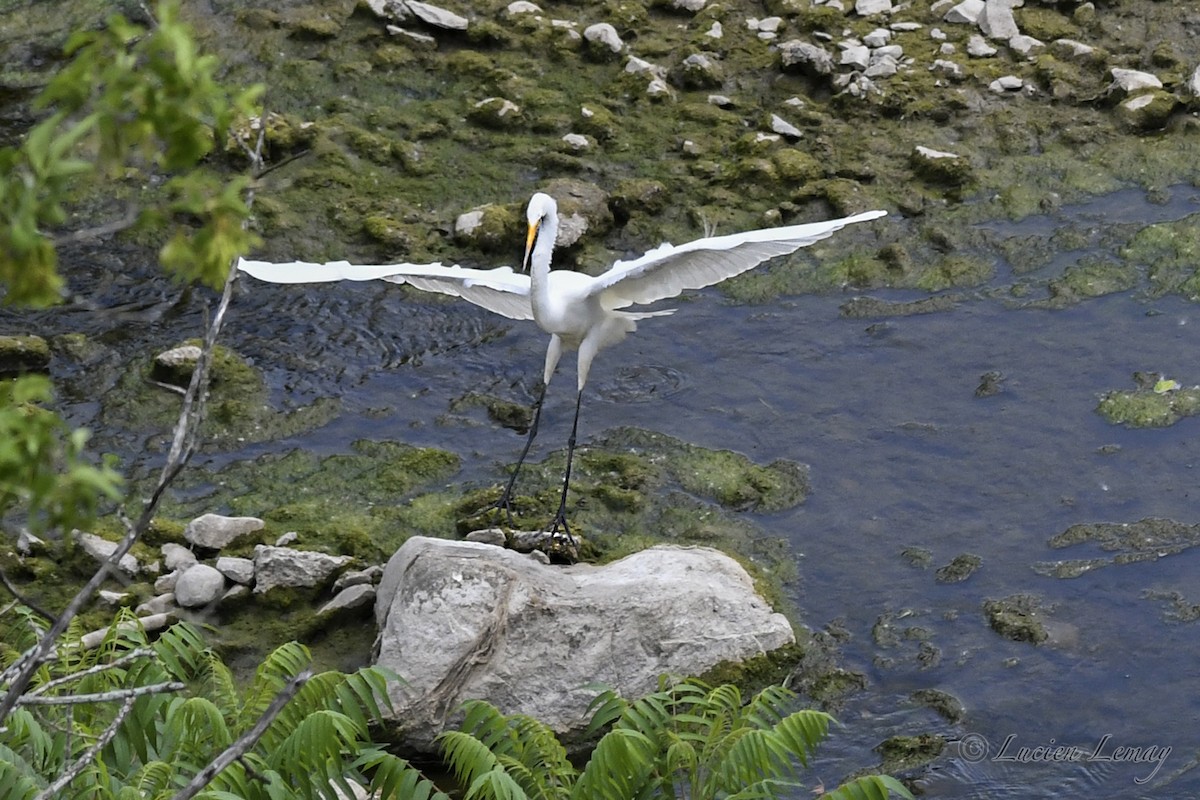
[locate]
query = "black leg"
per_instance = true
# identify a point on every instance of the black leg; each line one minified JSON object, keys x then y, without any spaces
{"x":560,"y":519}
{"x":505,"y":501}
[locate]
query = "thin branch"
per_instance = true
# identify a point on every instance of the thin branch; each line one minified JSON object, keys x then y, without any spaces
{"x":127,"y":221}
{"x":101,"y":697}
{"x":132,"y":655}
{"x":89,"y":756}
{"x":239,"y":748}
{"x":25,"y":601}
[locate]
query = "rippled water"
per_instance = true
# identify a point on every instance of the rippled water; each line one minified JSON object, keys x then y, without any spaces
{"x":902,"y":454}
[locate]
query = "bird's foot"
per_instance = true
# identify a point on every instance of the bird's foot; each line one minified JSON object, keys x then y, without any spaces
{"x":503,"y":504}
{"x":560,"y":530}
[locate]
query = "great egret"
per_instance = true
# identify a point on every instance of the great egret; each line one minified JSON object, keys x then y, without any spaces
{"x":580,"y":312}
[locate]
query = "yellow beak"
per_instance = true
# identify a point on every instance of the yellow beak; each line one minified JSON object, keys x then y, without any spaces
{"x":533,"y":232}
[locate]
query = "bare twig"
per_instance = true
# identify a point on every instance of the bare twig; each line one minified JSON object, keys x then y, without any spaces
{"x":90,"y":754}
{"x":130,"y":657}
{"x":127,"y":221}
{"x":100,"y":697}
{"x":25,"y":601}
{"x":236,"y":750}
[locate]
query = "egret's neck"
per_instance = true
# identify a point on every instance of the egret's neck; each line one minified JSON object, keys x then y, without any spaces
{"x":543,"y":250}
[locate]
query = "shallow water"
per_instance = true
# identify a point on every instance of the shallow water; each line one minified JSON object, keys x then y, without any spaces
{"x":902,"y":454}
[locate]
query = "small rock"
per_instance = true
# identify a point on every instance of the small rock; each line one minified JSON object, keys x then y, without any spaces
{"x":26,"y":542}
{"x":907,"y":27}
{"x":497,"y":113}
{"x":176,"y":556}
{"x":236,"y":592}
{"x":807,"y":58}
{"x":492,"y":536}
{"x":1130,"y":81}
{"x":997,"y":22}
{"x":1071,"y":50}
{"x":658,"y":88}
{"x":948,"y":68}
{"x":283,"y":566}
{"x":978,"y":47}
{"x":215,"y":531}
{"x":720,"y":101}
{"x":238,"y":570}
{"x":882,"y":67}
{"x":867,"y":8}
{"x":199,"y":586}
{"x":23,"y":354}
{"x":576,"y":141}
{"x":286,"y":539}
{"x":1009,"y":83}
{"x":716,"y":31}
{"x":357,"y":596}
{"x":166,"y":583}
{"x":967,"y":12}
{"x":464,"y":225}
{"x":101,"y":549}
{"x":1025,"y":46}
{"x":856,"y":56}
{"x":522,"y":7}
{"x":414,"y":37}
{"x":605,"y":38}
{"x":159,"y":604}
{"x":175,"y":366}
{"x":113,"y":598}
{"x":698,"y":71}
{"x":1148,"y":111}
{"x":784,"y":128}
{"x":688,"y":5}
{"x":877,"y":38}
{"x":638,"y":66}
{"x":369,"y":575}
{"x":435,"y":16}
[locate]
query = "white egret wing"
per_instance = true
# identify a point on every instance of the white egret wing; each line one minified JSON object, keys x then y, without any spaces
{"x":500,"y":290}
{"x":668,"y":270}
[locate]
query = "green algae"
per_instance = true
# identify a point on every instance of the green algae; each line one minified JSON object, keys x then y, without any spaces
{"x":1129,"y":543}
{"x":1017,"y":617}
{"x":1153,"y":404}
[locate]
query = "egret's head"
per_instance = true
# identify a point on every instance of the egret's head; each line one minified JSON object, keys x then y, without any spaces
{"x":541,"y":208}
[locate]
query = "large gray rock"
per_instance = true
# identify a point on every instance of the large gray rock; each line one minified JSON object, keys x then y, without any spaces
{"x":198,"y":586}
{"x":283,"y":566}
{"x":215,"y":531}
{"x":463,"y":620}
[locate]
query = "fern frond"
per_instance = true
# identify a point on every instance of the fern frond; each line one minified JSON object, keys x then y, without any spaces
{"x":495,"y":784}
{"x":620,"y":766}
{"x":18,"y":778}
{"x":802,"y":731}
{"x":467,"y":757}
{"x":393,"y":778}
{"x":869,"y":787}
{"x":770,"y":705}
{"x":284,"y":663}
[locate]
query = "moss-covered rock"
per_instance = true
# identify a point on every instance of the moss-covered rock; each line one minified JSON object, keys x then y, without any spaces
{"x":1017,"y":617}
{"x":23,"y":354}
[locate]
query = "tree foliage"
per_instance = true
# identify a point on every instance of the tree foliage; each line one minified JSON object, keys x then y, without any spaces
{"x":131,"y":101}
{"x":688,"y":740}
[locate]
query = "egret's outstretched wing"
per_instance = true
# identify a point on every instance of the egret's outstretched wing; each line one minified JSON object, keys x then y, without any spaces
{"x":498,"y":290}
{"x":668,"y":270}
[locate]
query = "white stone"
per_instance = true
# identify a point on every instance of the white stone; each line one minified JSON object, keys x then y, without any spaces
{"x":856,"y":56}
{"x":978,"y":47}
{"x":462,"y":620}
{"x":966,"y":13}
{"x":238,"y":570}
{"x":576,"y":141}
{"x":1192,"y":87}
{"x":658,"y":88}
{"x":1025,"y":46}
{"x":198,"y":586}
{"x":806,"y":56}
{"x":997,"y":21}
{"x":784,"y":128}
{"x":638,"y":66}
{"x":102,"y":549}
{"x":113,"y":598}
{"x":767,"y":137}
{"x":894,"y":51}
{"x":435,"y":16}
{"x":1069,"y":48}
{"x":26,"y":541}
{"x":359,"y":595}
{"x":688,"y":5}
{"x":930,"y":153}
{"x":1129,"y":81}
{"x":905,"y":27}
{"x":948,"y":68}
{"x":283,"y":566}
{"x":867,"y":8}
{"x":720,"y":101}
{"x":464,"y":224}
{"x":716,"y":31}
{"x":216,"y":531}
{"x":604,"y":34}
{"x":522,"y":7}
{"x":166,"y":583}
{"x":287,"y":538}
{"x":883,"y":67}
{"x":176,"y":556}
{"x":937,"y":34}
{"x":159,"y":604}
{"x":877,"y":38}
{"x":1139,"y":102}
{"x":947,"y":49}
{"x":419,"y":38}
{"x":1008,"y":83}
{"x":371,"y":574}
